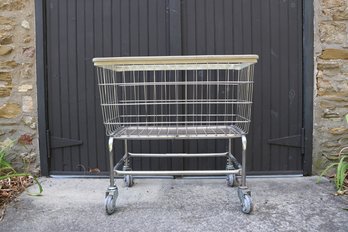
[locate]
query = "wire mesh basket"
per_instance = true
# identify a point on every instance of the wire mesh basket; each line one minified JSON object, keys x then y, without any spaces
{"x":176,"y":97}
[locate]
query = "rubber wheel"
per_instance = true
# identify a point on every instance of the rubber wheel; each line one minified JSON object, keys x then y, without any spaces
{"x":110,"y":204}
{"x":247,"y":204}
{"x":230,"y":180}
{"x":128,"y":180}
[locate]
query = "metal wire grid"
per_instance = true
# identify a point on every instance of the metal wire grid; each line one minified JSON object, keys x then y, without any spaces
{"x":176,"y":100}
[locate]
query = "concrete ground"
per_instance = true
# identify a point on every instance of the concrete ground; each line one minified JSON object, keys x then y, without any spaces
{"x":281,"y":204}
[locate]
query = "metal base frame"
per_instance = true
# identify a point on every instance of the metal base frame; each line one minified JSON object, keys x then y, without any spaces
{"x":233,"y":169}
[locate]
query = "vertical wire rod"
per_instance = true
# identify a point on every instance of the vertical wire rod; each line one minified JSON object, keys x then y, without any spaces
{"x":145,"y":98}
{"x":186,"y":101}
{"x":125,"y":98}
{"x":177,"y":105}
{"x":195,"y":99}
{"x":135,"y":97}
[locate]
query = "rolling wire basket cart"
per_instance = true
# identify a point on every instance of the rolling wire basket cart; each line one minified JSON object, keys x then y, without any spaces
{"x":176,"y":97}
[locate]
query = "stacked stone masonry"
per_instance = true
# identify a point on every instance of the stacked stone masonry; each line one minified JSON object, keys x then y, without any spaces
{"x":18,"y":114}
{"x":331,"y":73}
{"x":18,"y":107}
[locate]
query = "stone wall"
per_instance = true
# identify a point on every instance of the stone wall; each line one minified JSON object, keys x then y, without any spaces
{"x":18,"y":108}
{"x":331,"y":73}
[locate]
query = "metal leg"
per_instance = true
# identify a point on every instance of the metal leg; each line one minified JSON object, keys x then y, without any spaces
{"x":128,"y":179}
{"x":244,"y":143}
{"x":230,"y":178}
{"x":111,"y":160}
{"x":244,"y":193}
{"x":229,"y":161}
{"x":112,"y":191}
{"x":126,"y":163}
{"x":232,"y":162}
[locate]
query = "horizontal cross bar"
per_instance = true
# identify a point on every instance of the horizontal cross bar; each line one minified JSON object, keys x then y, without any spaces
{"x":183,"y":155}
{"x":179,"y":173}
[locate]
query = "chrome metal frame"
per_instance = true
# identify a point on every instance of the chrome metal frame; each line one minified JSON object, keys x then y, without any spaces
{"x":192,"y":97}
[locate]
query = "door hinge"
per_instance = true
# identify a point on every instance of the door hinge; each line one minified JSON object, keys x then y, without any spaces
{"x":290,"y":141}
{"x":58,"y":142}
{"x":303,"y":140}
{"x":48,"y":144}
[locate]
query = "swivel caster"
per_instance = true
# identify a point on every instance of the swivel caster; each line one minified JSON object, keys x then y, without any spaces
{"x":247,"y":204}
{"x":245,"y":200}
{"x":231,"y":180}
{"x":128,"y":180}
{"x":110,"y":200}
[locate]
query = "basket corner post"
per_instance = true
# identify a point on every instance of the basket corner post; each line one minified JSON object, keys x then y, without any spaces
{"x":112,"y":191}
{"x":244,"y":193}
{"x":244,"y":146}
{"x":111,"y":161}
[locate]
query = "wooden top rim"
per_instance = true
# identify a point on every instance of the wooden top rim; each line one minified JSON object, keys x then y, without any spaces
{"x":162,"y":60}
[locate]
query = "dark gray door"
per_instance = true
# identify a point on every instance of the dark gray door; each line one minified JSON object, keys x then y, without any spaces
{"x":273,"y":30}
{"x":78,"y":30}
